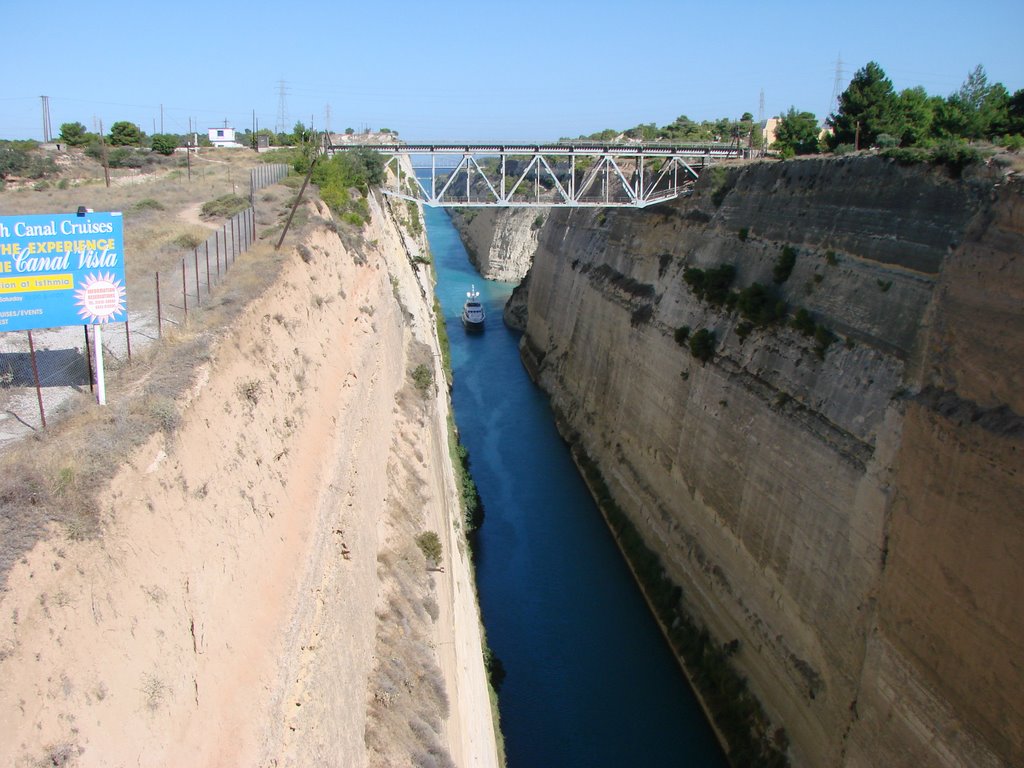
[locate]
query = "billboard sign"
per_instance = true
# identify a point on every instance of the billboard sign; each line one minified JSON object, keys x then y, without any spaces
{"x":61,"y":269}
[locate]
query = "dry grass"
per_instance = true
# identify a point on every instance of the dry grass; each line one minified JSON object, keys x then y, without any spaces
{"x":407,"y":698}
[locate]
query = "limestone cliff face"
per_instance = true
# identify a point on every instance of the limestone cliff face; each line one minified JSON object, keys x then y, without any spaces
{"x":501,"y":242}
{"x":851,"y":515}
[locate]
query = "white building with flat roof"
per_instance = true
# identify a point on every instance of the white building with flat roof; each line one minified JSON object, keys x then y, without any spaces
{"x":222,"y":137}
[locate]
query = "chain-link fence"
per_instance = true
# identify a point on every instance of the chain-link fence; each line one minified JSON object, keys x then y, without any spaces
{"x":265,"y":175}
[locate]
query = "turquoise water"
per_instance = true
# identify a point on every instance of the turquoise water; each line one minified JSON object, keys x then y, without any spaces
{"x":590,"y":681}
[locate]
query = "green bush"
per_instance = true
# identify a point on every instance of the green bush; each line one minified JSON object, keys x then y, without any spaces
{"x":225,"y":205}
{"x":955,"y":156}
{"x":125,"y":157}
{"x":422,"y":378}
{"x":759,"y":304}
{"x":711,"y":285}
{"x":682,"y":335}
{"x":19,"y":158}
{"x":430,"y":545}
{"x":823,"y":338}
{"x":907,"y":155}
{"x":742,"y":234}
{"x":415,"y":225}
{"x":702,"y":345}
{"x":164,"y":143}
{"x":803,"y":322}
{"x":1014,"y":143}
{"x":784,"y":265}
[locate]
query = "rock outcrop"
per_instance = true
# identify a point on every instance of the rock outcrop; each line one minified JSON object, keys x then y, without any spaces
{"x":842,"y":503}
{"x":500,"y":242}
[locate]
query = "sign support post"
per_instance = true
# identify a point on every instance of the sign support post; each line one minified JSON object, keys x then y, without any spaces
{"x":101,"y":385}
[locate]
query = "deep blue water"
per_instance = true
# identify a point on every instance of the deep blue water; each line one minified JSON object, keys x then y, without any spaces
{"x":590,"y":680}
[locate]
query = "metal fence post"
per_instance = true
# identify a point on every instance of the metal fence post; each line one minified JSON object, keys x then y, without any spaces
{"x":184,"y":289}
{"x":159,"y":317}
{"x":35,"y":373}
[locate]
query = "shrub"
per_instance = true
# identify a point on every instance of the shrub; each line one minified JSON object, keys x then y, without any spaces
{"x":742,"y":234}
{"x":721,"y":185}
{"x":148,"y":204}
{"x":743,"y":330}
{"x":886,"y":141}
{"x":187,"y":240}
{"x":18,"y":158}
{"x":682,"y":335}
{"x":907,"y":155}
{"x":125,"y":157}
{"x":702,"y":345}
{"x":759,"y":304}
{"x":1014,"y":143}
{"x":430,"y":545}
{"x":164,"y":143}
{"x":422,"y":378}
{"x":844,"y":149}
{"x":823,"y":338}
{"x":955,"y":156}
{"x":711,"y":285}
{"x":803,"y":322}
{"x":784,"y":265}
{"x":225,"y":205}
{"x":415,"y":225}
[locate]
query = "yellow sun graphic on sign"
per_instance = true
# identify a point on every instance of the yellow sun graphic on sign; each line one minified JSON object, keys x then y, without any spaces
{"x":100,"y":298}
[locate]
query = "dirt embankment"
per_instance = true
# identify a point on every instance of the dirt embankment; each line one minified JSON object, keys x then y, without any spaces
{"x":241,"y":605}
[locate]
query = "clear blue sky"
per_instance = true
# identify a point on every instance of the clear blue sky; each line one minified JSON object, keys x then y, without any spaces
{"x":479,"y":71}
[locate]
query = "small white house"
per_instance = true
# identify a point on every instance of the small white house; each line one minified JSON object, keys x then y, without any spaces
{"x":222,"y":137}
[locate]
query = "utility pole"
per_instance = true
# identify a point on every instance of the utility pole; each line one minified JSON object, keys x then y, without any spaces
{"x":761,"y":123}
{"x":103,"y":153}
{"x":856,"y":138}
{"x":161,"y":118}
{"x":188,"y":149}
{"x":47,"y":136}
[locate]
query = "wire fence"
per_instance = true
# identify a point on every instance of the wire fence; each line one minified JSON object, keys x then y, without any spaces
{"x":180,"y":291}
{"x":265,"y":175}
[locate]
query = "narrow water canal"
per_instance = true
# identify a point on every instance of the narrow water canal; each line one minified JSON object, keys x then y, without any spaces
{"x":590,"y":681}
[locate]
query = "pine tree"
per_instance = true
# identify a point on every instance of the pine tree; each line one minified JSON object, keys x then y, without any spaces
{"x":870,"y":101}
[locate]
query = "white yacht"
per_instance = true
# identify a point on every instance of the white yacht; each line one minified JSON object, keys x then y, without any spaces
{"x":473,"y":311}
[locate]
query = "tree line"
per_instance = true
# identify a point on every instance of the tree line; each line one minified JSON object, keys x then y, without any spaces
{"x":870,"y":113}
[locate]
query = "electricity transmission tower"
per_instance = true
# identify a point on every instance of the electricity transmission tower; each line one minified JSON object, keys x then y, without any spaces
{"x":282,"y":107}
{"x":836,"y":85}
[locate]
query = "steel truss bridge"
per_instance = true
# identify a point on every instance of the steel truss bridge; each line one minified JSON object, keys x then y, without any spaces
{"x":562,"y":175}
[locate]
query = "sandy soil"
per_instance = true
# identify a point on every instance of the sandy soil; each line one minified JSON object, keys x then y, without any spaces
{"x":229,"y":613}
